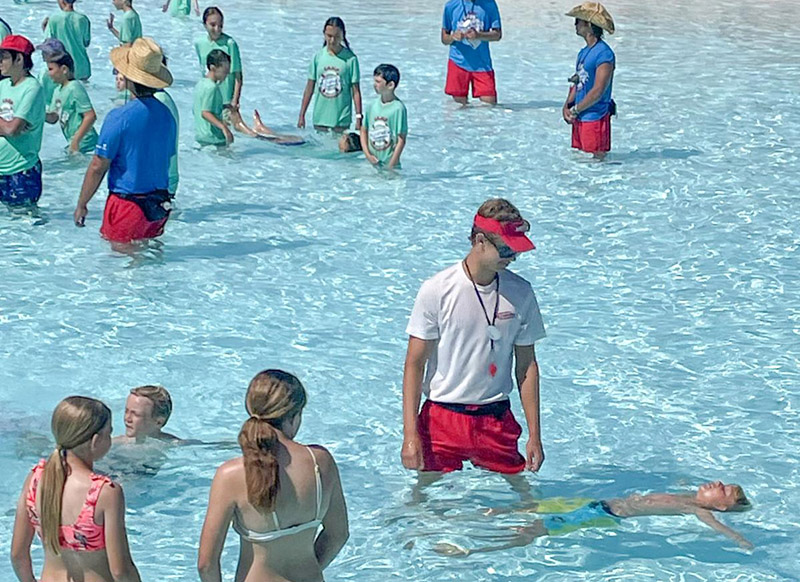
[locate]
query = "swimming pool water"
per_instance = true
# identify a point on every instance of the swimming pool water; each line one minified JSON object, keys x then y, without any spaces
{"x":667,"y":277}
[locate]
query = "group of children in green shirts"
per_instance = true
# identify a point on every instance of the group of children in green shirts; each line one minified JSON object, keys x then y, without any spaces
{"x":333,"y":81}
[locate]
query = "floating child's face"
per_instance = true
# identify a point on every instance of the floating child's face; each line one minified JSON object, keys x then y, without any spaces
{"x":213,"y":25}
{"x":221,"y":72}
{"x":717,"y":495}
{"x":58,"y":73}
{"x":333,"y":37}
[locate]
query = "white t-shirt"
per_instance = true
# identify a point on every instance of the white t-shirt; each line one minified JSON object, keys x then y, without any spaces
{"x":448,"y":310}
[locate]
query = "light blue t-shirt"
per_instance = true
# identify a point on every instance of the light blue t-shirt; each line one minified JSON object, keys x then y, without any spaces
{"x":483,"y":16}
{"x":586,"y":67}
{"x":139,"y":140}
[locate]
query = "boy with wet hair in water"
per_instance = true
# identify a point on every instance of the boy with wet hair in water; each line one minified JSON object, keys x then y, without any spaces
{"x":147,"y":411}
{"x":708,"y":498}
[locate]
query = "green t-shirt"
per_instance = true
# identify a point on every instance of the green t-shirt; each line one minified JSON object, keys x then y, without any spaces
{"x":130,"y":27}
{"x":71,"y":102}
{"x":335,"y":76}
{"x":385,"y":122}
{"x":207,"y":97}
{"x":204,"y":45}
{"x":74,"y":30}
{"x":48,"y":86}
{"x":178,"y":7}
{"x":26,"y":101}
{"x":166,"y":99}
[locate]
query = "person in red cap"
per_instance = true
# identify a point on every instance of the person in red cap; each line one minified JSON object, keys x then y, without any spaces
{"x":22,"y":114}
{"x":473,"y":327}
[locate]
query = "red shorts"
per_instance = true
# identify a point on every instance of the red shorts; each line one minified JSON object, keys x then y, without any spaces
{"x":458,"y":82}
{"x":487,"y":441}
{"x":592,"y":136}
{"x":124,"y":221}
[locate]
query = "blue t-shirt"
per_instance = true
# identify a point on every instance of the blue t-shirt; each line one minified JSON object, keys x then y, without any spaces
{"x":139,"y":139}
{"x":586,"y":67}
{"x":483,"y":16}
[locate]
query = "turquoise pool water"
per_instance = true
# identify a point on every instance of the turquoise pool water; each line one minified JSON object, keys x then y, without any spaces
{"x":668,"y":280}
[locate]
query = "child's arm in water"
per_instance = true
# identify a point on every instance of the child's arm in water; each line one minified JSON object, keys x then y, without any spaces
{"x":398,"y":150}
{"x":523,"y":537}
{"x":216,"y":122}
{"x":708,"y":518}
{"x":307,"y":94}
{"x":365,"y":145}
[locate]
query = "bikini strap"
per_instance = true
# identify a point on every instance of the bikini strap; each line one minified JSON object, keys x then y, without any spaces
{"x":318,"y":483}
{"x":34,"y":484}
{"x":94,"y":490}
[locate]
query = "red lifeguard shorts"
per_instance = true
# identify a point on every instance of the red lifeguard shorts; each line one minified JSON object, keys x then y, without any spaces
{"x":486,"y":440}
{"x":592,"y":136}
{"x":458,"y":82}
{"x":124,"y":221}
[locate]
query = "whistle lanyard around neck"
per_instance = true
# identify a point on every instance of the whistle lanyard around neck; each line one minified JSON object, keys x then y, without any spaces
{"x":492,"y":330}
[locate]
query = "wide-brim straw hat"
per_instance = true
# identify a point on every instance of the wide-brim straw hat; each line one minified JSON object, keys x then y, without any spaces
{"x":595,"y":13}
{"x":142,"y":62}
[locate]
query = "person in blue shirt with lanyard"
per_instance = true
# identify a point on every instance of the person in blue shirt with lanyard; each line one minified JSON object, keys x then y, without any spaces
{"x":468,"y":26}
{"x":589,"y":106}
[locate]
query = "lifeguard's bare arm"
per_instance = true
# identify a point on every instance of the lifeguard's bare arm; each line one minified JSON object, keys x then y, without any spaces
{"x":417,"y":355}
{"x":527,"y":373}
{"x":708,"y":518}
{"x":215,"y":527}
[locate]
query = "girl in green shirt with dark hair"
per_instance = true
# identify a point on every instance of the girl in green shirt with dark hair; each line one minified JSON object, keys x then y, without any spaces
{"x":335,"y":72}
{"x":231,"y":87}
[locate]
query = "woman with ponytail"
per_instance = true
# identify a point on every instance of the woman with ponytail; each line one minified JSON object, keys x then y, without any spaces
{"x":78,"y":514}
{"x":335,"y":72}
{"x":284,"y":499}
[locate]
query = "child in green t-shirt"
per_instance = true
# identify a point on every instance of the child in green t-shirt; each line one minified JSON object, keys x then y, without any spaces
{"x":71,"y":106}
{"x":130,"y":26}
{"x":74,"y":30}
{"x":181,"y":7}
{"x":209,"y":129}
{"x":334,"y":70}
{"x":383,"y":136}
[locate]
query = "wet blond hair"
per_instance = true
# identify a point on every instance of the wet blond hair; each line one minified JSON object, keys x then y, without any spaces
{"x":273,"y":397}
{"x":75,"y":421}
{"x":158,"y":395}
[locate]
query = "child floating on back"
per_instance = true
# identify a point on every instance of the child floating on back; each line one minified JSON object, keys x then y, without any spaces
{"x":709,"y":497}
{"x":383,"y":137}
{"x":71,"y":106}
{"x":209,"y":127}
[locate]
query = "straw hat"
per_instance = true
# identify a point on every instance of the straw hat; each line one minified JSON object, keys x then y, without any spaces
{"x":141,"y":62}
{"x":595,"y":13}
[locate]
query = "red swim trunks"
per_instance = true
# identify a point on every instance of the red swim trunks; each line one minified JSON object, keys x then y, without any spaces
{"x":458,"y":82}
{"x":592,"y":136}
{"x":486,"y":440}
{"x":125,"y":221}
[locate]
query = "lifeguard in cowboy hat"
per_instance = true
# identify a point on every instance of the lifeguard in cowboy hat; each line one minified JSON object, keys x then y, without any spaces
{"x":589,"y":105}
{"x":135,"y":145}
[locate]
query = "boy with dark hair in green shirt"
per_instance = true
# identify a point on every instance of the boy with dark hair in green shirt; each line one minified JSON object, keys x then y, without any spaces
{"x":71,"y":106}
{"x":383,"y":135}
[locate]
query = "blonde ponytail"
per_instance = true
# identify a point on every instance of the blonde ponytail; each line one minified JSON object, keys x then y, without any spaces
{"x":273,"y":397}
{"x":75,"y":420}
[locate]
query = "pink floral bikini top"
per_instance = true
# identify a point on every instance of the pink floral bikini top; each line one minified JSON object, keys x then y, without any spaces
{"x":82,"y":536}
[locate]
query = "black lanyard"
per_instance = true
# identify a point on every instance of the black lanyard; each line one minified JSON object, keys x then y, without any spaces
{"x":483,"y":307}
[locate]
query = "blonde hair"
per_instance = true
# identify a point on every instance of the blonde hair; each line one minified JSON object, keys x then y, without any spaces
{"x":273,"y":397}
{"x":158,"y":395}
{"x":741,"y":503}
{"x":75,"y":421}
{"x":498,"y":209}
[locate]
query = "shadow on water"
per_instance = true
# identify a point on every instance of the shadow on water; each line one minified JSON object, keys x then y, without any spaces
{"x":226,"y":250}
{"x":654,"y":154}
{"x":212,"y":211}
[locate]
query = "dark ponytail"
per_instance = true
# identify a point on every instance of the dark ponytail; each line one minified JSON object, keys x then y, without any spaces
{"x":338,"y":23}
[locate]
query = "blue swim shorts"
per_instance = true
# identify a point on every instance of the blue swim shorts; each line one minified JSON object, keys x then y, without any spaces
{"x":22,"y":188}
{"x":594,"y":514}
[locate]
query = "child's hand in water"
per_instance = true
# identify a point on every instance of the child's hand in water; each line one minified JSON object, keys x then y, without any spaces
{"x":165,"y":7}
{"x":372,"y":159}
{"x":228,"y":135}
{"x":745,"y":545}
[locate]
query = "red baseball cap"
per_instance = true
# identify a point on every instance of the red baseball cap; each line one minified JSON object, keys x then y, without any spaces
{"x":18,"y":43}
{"x":512,"y":232}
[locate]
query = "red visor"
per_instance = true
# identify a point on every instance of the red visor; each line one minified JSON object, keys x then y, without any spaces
{"x":512,"y":233}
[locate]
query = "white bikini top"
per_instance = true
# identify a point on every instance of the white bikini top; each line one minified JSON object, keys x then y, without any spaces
{"x":268,"y":536}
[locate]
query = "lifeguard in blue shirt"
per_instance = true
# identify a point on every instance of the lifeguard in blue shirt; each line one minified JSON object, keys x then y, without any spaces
{"x":468,"y":26}
{"x":589,"y":106}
